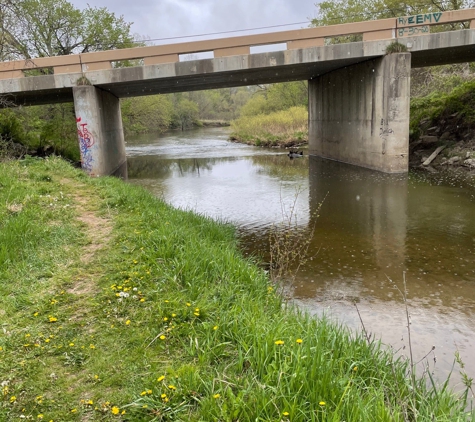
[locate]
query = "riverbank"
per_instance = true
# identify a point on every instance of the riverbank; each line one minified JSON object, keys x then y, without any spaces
{"x":444,"y":125}
{"x":283,"y":129}
{"x":119,"y":307}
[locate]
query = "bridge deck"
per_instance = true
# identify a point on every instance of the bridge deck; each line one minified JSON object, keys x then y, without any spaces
{"x":234,"y":70}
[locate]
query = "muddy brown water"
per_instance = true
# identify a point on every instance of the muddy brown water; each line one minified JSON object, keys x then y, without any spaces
{"x":372,"y":232}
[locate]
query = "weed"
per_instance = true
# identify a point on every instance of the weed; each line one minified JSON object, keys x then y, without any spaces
{"x":396,"y":47}
{"x":289,"y":242}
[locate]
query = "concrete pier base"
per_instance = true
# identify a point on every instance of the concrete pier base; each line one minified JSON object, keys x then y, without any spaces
{"x":360,"y":114}
{"x":100,"y":132}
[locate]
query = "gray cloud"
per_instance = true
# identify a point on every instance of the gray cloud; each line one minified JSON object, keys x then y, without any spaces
{"x":176,"y":18}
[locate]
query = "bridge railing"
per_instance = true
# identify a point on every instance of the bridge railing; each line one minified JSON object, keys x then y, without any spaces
{"x":383,"y":29}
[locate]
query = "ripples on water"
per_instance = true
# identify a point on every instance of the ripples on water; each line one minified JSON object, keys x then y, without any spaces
{"x":371,"y":229}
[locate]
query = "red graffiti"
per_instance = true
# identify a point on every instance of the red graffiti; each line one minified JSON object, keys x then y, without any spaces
{"x":85,"y":137}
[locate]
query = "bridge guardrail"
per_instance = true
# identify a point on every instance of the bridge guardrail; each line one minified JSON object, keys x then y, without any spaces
{"x":391,"y":28}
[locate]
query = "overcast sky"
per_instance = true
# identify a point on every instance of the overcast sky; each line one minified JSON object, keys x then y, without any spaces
{"x":155,"y":19}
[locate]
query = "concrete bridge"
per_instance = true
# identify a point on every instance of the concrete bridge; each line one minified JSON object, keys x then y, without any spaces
{"x":358,"y":95}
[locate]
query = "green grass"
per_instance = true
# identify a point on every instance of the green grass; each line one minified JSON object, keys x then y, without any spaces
{"x":115,"y":306}
{"x":454,"y":111}
{"x":280,"y":128}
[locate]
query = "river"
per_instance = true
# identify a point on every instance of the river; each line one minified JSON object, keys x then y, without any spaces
{"x":371,"y":232}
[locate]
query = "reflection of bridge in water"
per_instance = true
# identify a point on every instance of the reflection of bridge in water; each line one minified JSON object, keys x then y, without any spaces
{"x":358,"y":95}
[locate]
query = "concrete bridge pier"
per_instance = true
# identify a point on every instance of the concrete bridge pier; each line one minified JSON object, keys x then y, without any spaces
{"x":100,"y":132}
{"x":360,"y":114}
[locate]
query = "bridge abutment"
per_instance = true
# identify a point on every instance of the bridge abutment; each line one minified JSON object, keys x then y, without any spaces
{"x":100,"y":132}
{"x":360,"y":114}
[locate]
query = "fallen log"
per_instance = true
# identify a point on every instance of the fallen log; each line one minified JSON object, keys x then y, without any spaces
{"x":433,"y":155}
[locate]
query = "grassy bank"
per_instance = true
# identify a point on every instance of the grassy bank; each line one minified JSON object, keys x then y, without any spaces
{"x":282,"y":128}
{"x":440,"y":113}
{"x":115,"y":306}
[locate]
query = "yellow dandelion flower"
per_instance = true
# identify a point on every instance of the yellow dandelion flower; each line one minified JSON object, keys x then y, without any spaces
{"x":74,"y":410}
{"x":217,"y":396}
{"x":162,"y":337}
{"x":165,"y":319}
{"x":12,"y":399}
{"x":115,"y":410}
{"x":71,"y":344}
{"x":188,"y":304}
{"x":40,"y":416}
{"x":143,"y":393}
{"x":299,"y":341}
{"x":172,"y":387}
{"x":91,"y":346}
{"x":142,"y":300}
{"x":173,"y":315}
{"x":161,"y":378}
{"x":196,"y":313}
{"x":163,"y":395}
{"x":279,"y":342}
{"x":285,"y":413}
{"x":96,"y":377}
{"x":127,"y":322}
{"x":36,"y":314}
{"x":322,"y":403}
{"x":90,"y":402}
{"x":355,"y":368}
{"x":215,"y":327}
{"x":149,"y":391}
{"x":52,"y":319}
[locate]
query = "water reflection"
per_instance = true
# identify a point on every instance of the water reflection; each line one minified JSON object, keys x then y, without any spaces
{"x":224,"y":180}
{"x":372,"y":228}
{"x":373,"y":231}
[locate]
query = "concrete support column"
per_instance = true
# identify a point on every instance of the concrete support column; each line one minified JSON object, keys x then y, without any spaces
{"x":100,"y":133}
{"x":360,"y":114}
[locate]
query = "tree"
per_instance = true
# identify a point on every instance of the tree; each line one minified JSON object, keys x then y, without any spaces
{"x":277,"y":97}
{"x":44,"y":28}
{"x":186,"y":112}
{"x":146,"y":114}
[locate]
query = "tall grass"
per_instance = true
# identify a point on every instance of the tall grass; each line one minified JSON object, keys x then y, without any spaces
{"x":160,"y":318}
{"x":282,"y":128}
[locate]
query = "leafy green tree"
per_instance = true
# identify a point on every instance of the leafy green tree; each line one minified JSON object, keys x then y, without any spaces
{"x":146,"y":114}
{"x":185,"y":112}
{"x":43,"y":28}
{"x":277,"y":97}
